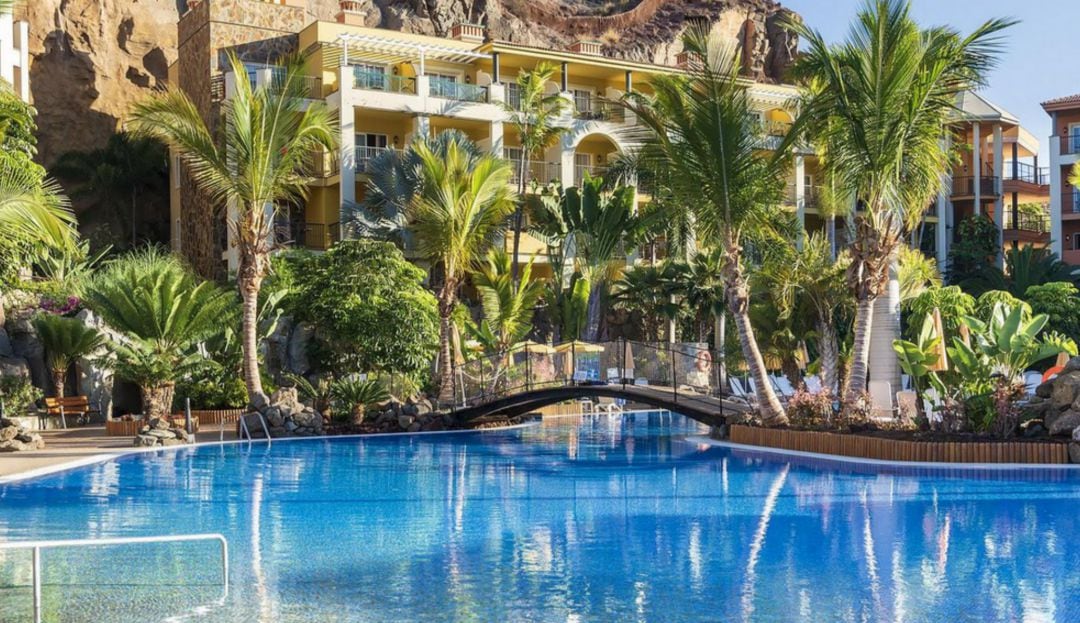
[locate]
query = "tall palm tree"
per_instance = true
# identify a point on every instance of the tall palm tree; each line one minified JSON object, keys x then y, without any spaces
{"x":460,"y":209}
{"x":702,"y":138}
{"x":164,"y":311}
{"x":65,"y":340}
{"x":261,"y":163}
{"x":508,"y":306}
{"x":533,"y":116}
{"x":879,"y":103}
{"x":821,"y":285}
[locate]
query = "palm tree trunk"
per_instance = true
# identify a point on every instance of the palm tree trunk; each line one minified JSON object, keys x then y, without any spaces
{"x":829,"y":351}
{"x":860,"y":350}
{"x":157,"y":400}
{"x":772,"y":412}
{"x":592,"y":318}
{"x":249,"y":295}
{"x":882,"y":359}
{"x":790,"y":367}
{"x":445,"y":380}
{"x":719,"y":339}
{"x":519,"y":217}
{"x":58,"y":381}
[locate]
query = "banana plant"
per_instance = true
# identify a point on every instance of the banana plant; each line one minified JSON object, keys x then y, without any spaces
{"x":1007,"y":345}
{"x":918,"y":358}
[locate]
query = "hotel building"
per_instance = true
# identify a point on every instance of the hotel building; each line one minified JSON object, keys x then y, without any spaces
{"x":389,"y":87}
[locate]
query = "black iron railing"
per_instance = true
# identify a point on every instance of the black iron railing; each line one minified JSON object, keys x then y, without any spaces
{"x":965,"y":186}
{"x":1024,"y":172}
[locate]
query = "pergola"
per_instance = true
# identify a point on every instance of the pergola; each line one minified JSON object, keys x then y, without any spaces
{"x":389,"y":51}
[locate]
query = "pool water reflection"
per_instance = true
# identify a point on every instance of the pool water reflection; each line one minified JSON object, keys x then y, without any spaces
{"x":625,"y":518}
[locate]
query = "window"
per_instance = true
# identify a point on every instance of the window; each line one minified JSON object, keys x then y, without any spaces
{"x":370,"y":76}
{"x":512,"y":153}
{"x":583,"y":100}
{"x":1076,"y":242}
{"x":1075,"y":200}
{"x":1074,"y":138}
{"x":583,"y":160}
{"x":513,"y":95}
{"x":367,"y":147}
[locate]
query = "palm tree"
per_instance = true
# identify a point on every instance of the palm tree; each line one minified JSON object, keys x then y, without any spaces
{"x":33,"y":212}
{"x":879,"y":103}
{"x":65,"y":340}
{"x":822,"y":286}
{"x":394,"y":180}
{"x":701,"y":136}
{"x":117,"y":174}
{"x":533,"y":116}
{"x":164,"y":311}
{"x":261,"y":163}
{"x":508,"y":306}
{"x":456,"y":216}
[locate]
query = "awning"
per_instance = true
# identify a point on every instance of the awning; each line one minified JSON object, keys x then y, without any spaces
{"x":388,"y":50}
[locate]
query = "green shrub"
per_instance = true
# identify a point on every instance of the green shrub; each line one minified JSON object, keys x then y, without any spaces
{"x":211,"y":393}
{"x":19,"y":395}
{"x":1060,"y":301}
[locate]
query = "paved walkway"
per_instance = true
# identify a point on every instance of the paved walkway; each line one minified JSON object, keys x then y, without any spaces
{"x":75,"y":444}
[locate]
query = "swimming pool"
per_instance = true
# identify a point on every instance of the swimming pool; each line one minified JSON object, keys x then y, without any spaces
{"x":609,"y":519}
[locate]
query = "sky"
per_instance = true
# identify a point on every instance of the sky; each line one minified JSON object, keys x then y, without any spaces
{"x":1040,"y":61}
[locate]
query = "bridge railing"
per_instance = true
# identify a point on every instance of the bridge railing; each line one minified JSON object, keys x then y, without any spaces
{"x":687,"y":368}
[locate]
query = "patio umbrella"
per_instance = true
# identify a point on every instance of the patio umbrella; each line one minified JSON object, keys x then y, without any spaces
{"x":942,"y":363}
{"x":628,"y":360}
{"x":578,"y":346}
{"x":533,"y":348}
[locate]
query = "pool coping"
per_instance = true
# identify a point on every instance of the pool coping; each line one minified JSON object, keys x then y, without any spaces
{"x":108,"y":456}
{"x":883,"y":462}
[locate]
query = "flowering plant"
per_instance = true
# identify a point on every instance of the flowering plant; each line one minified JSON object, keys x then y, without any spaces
{"x":809,"y":409}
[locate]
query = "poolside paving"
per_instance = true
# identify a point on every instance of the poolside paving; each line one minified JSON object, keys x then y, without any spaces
{"x":75,"y":444}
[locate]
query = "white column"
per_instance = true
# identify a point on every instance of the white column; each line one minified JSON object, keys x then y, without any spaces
{"x":22,"y":40}
{"x":942,"y":230}
{"x":1057,"y":245}
{"x":999,"y":190}
{"x":496,"y":134}
{"x":347,"y":138}
{"x":7,"y":48}
{"x":800,"y":198}
{"x":496,"y":93}
{"x":566,"y":160}
{"x":976,"y":154}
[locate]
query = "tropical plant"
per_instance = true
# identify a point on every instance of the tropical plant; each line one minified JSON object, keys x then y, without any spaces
{"x":164,"y":311}
{"x":533,"y":114}
{"x":318,"y":393}
{"x":369,"y":307}
{"x":920,"y":358}
{"x":699,"y":132}
{"x":263,"y":159}
{"x":1060,"y":302}
{"x":821,"y":285}
{"x":952,"y":302}
{"x":878,"y":102}
{"x":507,"y":305}
{"x":354,"y":395}
{"x":703,"y":291}
{"x":118,"y":175}
{"x":592,"y":228}
{"x":916,"y":272}
{"x":976,"y":245}
{"x":984,"y":305}
{"x":394,"y":180}
{"x":65,"y":340}
{"x":18,"y":395}
{"x":1025,"y":267}
{"x":655,"y":291}
{"x":461,"y":207}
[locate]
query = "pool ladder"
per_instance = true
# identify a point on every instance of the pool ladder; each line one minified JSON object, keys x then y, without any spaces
{"x":37,"y":546}
{"x":245,"y":431}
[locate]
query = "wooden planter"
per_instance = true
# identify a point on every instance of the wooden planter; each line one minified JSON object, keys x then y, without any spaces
{"x":130,"y":428}
{"x":865,"y":447}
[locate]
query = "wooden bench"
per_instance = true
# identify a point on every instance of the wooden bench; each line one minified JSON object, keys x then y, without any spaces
{"x":71,"y":405}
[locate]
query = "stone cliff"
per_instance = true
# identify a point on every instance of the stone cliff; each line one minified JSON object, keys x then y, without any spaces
{"x":90,"y":59}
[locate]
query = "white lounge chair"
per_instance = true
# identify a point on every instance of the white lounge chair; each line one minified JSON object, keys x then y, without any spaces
{"x":740,"y":393}
{"x":932,"y":405}
{"x":1032,"y":380}
{"x":607,"y":405}
{"x":783,"y":386}
{"x":881,"y":399}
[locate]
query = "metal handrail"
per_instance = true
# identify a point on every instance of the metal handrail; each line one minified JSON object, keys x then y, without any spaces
{"x":37,"y":546}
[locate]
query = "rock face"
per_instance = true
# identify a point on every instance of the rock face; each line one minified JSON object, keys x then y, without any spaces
{"x":1057,"y":402}
{"x":91,"y":59}
{"x":15,"y":437}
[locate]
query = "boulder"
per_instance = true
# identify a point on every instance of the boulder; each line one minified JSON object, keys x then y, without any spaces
{"x":160,"y":424}
{"x":1066,"y":390}
{"x":410,"y":409}
{"x":1033,"y":428}
{"x":145,"y":441}
{"x":161,"y":434}
{"x":1045,"y":390}
{"x":5,"y":344}
{"x":297,"y":360}
{"x":414,"y":427}
{"x":405,"y":421}
{"x":8,"y":433}
{"x":1073,"y":365}
{"x":274,"y":417}
{"x":423,"y":406}
{"x":1063,"y":423}
{"x":14,"y":366}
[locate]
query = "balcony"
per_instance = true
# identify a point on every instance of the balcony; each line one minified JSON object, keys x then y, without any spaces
{"x":1027,"y":173}
{"x":315,"y":236}
{"x":777,"y":128}
{"x":1070,"y":144}
{"x":380,"y":81}
{"x":1070,"y":202}
{"x":536,"y":172}
{"x":965,"y":186}
{"x":1027,"y":222}
{"x":454,"y":90}
{"x":596,"y":109}
{"x":366,"y":155}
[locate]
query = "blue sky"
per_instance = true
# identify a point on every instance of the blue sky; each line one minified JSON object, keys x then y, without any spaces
{"x":1041,"y":60}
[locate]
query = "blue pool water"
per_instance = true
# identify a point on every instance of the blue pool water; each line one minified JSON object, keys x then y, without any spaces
{"x":604,"y":520}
